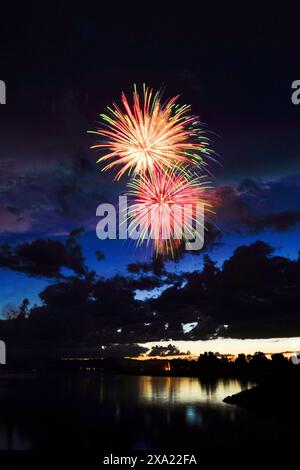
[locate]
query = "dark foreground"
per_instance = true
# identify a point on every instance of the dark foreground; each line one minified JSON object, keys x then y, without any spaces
{"x":106,"y":413}
{"x":274,"y":396}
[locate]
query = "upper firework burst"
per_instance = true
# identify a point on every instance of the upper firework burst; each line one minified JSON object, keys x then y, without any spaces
{"x":150,"y":135}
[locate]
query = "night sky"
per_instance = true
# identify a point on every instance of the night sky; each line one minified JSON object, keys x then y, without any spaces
{"x":62,"y":66}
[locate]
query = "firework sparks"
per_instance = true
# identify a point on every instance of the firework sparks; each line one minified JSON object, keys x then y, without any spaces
{"x":164,"y":150}
{"x":162,"y":205}
{"x":150,"y":136}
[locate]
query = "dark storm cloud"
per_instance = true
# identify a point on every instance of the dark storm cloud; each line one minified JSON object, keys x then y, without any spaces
{"x":44,"y":257}
{"x":152,"y":274}
{"x":156,"y":266}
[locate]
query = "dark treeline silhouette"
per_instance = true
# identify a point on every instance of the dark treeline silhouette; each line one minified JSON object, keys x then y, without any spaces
{"x":254,"y":294}
{"x":256,"y":367}
{"x":249,"y":366}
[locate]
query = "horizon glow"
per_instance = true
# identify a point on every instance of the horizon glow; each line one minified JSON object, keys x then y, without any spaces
{"x":233,"y":345}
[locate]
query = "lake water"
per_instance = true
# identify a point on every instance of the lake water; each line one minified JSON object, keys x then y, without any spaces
{"x":107,"y":412}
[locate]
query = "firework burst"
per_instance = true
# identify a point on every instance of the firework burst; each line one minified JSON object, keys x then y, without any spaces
{"x":164,"y":208}
{"x":150,"y":135}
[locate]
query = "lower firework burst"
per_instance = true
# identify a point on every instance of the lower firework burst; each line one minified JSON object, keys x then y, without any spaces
{"x":164,"y":208}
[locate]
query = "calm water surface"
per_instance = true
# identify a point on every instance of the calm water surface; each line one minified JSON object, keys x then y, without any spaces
{"x":90,"y":411}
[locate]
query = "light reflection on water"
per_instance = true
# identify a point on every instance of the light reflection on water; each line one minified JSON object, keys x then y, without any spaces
{"x":85,"y":411}
{"x":183,"y":390}
{"x":193,"y":416}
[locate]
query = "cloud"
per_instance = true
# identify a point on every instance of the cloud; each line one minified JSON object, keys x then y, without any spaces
{"x":156,"y":266}
{"x":164,"y":351}
{"x":13,"y":220}
{"x":44,"y":257}
{"x":50,"y":195}
{"x":14,"y":210}
{"x":257,"y":206}
{"x":99,"y":255}
{"x":123,"y":350}
{"x":212,"y":239}
{"x":279,"y":222}
{"x":254,"y":290}
{"x":145,"y":283}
